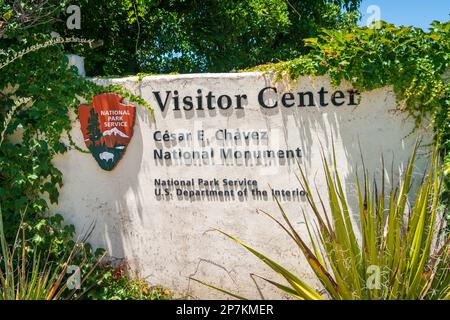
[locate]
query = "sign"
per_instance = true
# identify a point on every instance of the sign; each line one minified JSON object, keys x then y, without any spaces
{"x":107,"y":128}
{"x":216,"y":149}
{"x":213,"y":100}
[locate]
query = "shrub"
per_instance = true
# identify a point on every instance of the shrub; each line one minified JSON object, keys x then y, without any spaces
{"x":39,"y":277}
{"x":117,"y":285}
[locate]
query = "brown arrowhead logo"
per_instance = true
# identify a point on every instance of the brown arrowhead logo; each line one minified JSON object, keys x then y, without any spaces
{"x":107,"y":127}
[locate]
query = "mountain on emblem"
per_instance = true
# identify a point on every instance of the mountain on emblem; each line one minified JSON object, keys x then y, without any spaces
{"x":115,"y":132}
{"x":107,"y":127}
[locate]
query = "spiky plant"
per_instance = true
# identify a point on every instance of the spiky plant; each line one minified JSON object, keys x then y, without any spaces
{"x":28,"y":274}
{"x":402,"y":251}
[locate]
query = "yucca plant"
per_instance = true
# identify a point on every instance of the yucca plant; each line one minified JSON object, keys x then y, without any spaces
{"x":400,"y":253}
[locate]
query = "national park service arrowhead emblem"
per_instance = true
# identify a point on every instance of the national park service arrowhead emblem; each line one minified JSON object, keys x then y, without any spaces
{"x":107,"y":127}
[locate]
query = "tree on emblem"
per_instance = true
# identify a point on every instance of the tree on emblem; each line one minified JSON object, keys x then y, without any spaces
{"x":93,"y":129}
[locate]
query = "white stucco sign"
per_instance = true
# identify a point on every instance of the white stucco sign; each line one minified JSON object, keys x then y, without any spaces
{"x":217,"y":148}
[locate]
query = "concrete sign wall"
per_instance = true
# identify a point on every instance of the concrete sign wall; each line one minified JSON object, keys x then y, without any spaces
{"x":217,"y":148}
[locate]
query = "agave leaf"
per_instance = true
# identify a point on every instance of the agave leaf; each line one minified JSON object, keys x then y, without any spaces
{"x":302,"y":288}
{"x":428,"y":230}
{"x":336,"y":212}
{"x":284,"y":288}
{"x":305,"y":185}
{"x":317,"y":253}
{"x":346,"y":213}
{"x":320,"y":270}
{"x":219,"y":289}
{"x":396,"y":236}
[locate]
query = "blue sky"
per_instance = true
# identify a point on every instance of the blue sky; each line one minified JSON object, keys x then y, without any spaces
{"x":417,"y":13}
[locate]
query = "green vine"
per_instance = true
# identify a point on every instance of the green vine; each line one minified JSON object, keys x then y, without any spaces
{"x":38,"y":91}
{"x":34,"y":115}
{"x":415,"y":63}
{"x":124,"y":93}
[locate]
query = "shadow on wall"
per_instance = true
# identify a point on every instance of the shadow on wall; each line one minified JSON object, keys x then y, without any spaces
{"x":379,"y":142}
{"x":120,"y":203}
{"x":321,"y":126}
{"x":89,"y":194}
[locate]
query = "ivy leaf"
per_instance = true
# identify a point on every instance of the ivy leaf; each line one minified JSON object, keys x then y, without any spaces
{"x":310,"y":40}
{"x":8,"y":15}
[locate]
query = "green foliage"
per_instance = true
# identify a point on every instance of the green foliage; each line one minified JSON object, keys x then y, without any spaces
{"x":117,"y":285}
{"x":28,"y":179}
{"x":43,"y":94}
{"x":410,"y":60}
{"x":402,"y":252}
{"x":93,"y":127}
{"x":201,"y":35}
{"x":29,"y":274}
{"x":34,"y":115}
{"x":123,"y":92}
{"x":27,"y":171}
{"x":25,"y":272}
{"x":24,"y":17}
